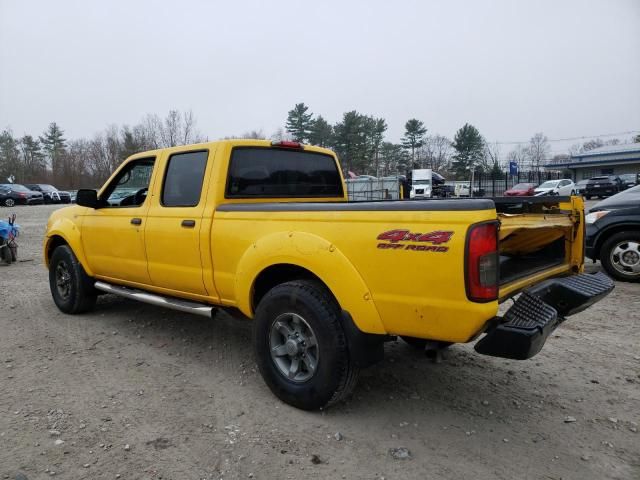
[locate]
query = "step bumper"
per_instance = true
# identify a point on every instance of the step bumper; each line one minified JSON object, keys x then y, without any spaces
{"x":525,"y":327}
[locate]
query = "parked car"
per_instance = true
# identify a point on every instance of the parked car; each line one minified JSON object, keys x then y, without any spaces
{"x":73,"y":194}
{"x":327,"y":281}
{"x":603,"y":186}
{"x":629,"y":180}
{"x":613,"y":234}
{"x":50,"y":193}
{"x":563,"y":186}
{"x":521,"y":190}
{"x":16,"y":194}
{"x":581,"y":187}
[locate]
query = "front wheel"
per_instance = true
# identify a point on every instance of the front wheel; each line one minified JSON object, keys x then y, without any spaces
{"x":9,"y":202}
{"x":71,"y":288}
{"x":300,"y":345}
{"x":620,"y":256}
{"x":588,"y":197}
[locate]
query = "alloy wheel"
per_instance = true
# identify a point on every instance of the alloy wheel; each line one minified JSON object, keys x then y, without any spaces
{"x":294,"y":347}
{"x":625,"y":257}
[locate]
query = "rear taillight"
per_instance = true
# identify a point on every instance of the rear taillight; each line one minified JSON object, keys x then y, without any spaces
{"x":22,"y":195}
{"x":482,"y":262}
{"x":287,"y":144}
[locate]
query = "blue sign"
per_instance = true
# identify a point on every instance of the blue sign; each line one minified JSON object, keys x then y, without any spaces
{"x":513,"y":168}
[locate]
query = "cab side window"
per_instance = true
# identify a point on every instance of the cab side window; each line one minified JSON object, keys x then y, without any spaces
{"x":129,"y":188}
{"x":183,"y":179}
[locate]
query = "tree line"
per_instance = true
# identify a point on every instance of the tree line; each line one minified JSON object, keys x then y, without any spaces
{"x":52,"y":158}
{"x":358,"y":139}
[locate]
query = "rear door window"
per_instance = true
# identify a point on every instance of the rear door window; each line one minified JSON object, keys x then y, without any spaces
{"x":183,"y":180}
{"x":279,"y":173}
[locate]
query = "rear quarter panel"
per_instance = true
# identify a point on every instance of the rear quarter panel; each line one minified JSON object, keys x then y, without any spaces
{"x":391,"y":290}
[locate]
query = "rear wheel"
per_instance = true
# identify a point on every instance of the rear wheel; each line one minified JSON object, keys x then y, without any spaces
{"x":620,"y":256}
{"x":300,"y":346}
{"x":588,"y":197}
{"x":71,"y":288}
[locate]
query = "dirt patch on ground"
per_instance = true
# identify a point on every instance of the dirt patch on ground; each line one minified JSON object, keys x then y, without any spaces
{"x":142,"y":392}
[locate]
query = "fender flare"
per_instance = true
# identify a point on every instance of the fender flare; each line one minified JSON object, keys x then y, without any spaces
{"x":70,"y":233}
{"x":321,"y":258}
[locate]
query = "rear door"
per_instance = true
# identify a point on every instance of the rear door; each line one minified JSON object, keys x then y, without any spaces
{"x":174,"y":235}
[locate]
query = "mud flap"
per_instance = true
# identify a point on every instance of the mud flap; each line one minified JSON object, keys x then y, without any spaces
{"x":525,"y":327}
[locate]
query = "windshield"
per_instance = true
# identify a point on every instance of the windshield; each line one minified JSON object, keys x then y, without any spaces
{"x":17,"y":188}
{"x":628,"y":177}
{"x":549,"y":184}
{"x":422,"y":182}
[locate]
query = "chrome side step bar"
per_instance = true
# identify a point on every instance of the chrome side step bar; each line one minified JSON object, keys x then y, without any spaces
{"x":158,"y":300}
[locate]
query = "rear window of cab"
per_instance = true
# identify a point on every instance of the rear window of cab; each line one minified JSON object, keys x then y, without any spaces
{"x":264,"y":172}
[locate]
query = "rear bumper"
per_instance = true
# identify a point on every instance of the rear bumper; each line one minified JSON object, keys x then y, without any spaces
{"x":525,"y":327}
{"x":600,"y":191}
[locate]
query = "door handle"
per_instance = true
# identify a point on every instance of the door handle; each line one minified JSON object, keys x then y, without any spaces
{"x":188,"y":223}
{"x":136,"y":221}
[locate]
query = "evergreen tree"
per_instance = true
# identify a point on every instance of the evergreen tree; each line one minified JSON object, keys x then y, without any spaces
{"x":9,"y":156}
{"x":350,"y":141}
{"x":394,"y":159}
{"x":377,"y":127}
{"x":54,"y":143}
{"x":32,"y":158}
{"x":320,"y":132}
{"x":469,"y":147}
{"x":130,"y":144}
{"x":299,"y":122}
{"x":414,"y":132}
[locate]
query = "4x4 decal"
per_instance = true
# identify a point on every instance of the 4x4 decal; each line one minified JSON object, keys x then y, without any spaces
{"x":436,"y":238}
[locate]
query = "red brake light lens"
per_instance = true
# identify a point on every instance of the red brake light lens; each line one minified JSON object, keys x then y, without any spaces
{"x":286,"y":144}
{"x":482,"y":266}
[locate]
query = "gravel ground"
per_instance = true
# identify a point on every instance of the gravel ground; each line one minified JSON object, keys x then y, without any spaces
{"x":132,"y":391}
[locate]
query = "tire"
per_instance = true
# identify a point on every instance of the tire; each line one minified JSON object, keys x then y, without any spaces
{"x":9,"y":202}
{"x":588,"y":197}
{"x":71,"y":288}
{"x":5,"y":254}
{"x":620,"y":256}
{"x":573,"y":192}
{"x":303,"y":321}
{"x":421,"y":343}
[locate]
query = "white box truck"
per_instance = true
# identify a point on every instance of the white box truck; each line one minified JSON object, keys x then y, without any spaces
{"x":421,"y":183}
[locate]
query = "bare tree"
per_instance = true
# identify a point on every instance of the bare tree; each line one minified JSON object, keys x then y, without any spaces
{"x":538,"y":151}
{"x":255,"y":134}
{"x":435,"y":153}
{"x":519,"y":156}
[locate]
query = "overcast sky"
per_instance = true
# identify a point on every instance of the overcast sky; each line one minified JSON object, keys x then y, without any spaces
{"x":512,"y":68}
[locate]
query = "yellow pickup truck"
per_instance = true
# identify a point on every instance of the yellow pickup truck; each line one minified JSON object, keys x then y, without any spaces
{"x":265,"y":231}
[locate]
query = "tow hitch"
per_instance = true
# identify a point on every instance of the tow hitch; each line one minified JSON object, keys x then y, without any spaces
{"x":537,"y":312}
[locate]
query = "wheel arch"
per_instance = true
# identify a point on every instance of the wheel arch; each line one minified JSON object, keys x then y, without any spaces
{"x":612,"y":230}
{"x":64,"y":232}
{"x":287,"y":256}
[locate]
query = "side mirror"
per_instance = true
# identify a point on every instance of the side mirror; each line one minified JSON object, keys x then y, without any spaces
{"x":87,"y":198}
